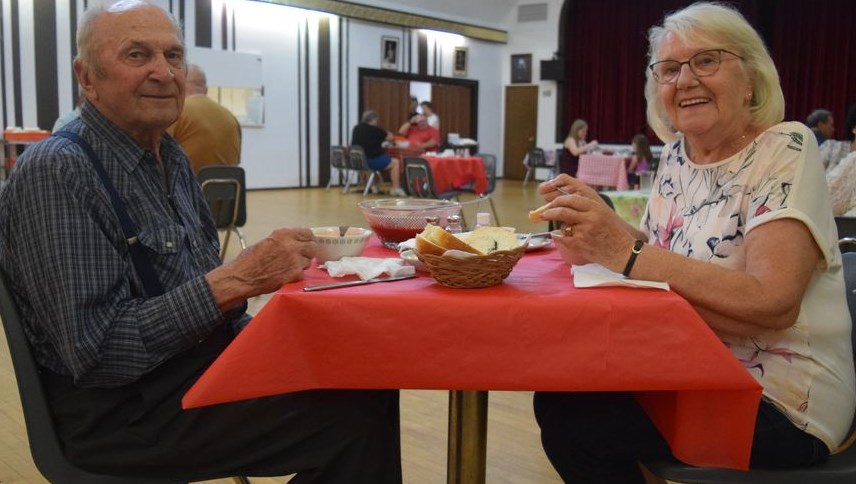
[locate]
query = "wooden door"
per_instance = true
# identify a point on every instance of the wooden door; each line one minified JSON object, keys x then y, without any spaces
{"x":521,"y":128}
{"x":453,"y":105}
{"x":389,"y":98}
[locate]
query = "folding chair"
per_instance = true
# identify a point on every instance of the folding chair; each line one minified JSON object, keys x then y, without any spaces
{"x":45,"y":446}
{"x":225,"y":192}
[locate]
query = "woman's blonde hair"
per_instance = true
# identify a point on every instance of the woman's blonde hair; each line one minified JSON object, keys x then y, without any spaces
{"x":576,"y":126}
{"x":717,"y":25}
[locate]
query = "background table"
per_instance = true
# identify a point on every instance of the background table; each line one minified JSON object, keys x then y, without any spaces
{"x":533,"y":332}
{"x":12,"y":138}
{"x":455,"y":172}
{"x":629,"y":204}
{"x":603,"y":171}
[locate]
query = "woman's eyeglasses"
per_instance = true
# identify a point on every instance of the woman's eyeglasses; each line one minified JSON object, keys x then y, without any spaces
{"x":702,"y":64}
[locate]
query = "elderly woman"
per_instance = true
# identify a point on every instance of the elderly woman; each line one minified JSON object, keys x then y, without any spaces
{"x":739,"y":224}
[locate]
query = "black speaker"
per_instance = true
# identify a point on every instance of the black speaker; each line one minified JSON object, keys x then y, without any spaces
{"x":552,"y":70}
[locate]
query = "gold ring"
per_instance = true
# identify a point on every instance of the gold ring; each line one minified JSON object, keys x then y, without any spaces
{"x":569,"y":230}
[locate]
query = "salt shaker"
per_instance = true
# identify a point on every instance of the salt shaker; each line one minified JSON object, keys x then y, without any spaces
{"x":453,"y":224}
{"x":433,"y":220}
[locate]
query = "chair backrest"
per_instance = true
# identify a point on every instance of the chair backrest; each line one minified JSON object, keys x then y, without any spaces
{"x":418,"y":178}
{"x":489,"y":162}
{"x":848,"y":260}
{"x":338,"y":157}
{"x":846,"y":226}
{"x":537,"y":158}
{"x":225,"y":191}
{"x":357,"y":158}
{"x":45,"y":445}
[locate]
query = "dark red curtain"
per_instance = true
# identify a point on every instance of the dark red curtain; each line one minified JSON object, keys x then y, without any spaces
{"x":814,"y":46}
{"x":605,"y":44}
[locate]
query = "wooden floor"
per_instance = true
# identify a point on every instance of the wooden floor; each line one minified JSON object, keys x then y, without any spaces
{"x":514,"y":450}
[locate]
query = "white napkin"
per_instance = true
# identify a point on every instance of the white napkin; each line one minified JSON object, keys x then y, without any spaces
{"x":595,"y":275}
{"x":368,"y":267}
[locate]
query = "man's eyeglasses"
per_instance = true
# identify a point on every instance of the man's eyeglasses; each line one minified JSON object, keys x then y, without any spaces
{"x":702,"y":64}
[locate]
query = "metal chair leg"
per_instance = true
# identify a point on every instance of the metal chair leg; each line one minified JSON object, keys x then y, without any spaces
{"x":528,"y":173}
{"x":369,"y":184}
{"x":225,"y":244}
{"x":241,"y":237}
{"x":241,"y":480}
{"x":493,"y":209}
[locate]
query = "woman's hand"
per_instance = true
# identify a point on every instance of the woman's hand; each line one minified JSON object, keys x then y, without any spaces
{"x":593,"y":230}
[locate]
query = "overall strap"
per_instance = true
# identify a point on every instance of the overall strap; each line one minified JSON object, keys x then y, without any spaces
{"x":138,"y":255}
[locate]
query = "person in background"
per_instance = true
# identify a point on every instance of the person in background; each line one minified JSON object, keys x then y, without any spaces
{"x":737,"y":192}
{"x":371,"y":138}
{"x":642,"y":159}
{"x":71,"y":115}
{"x":209,"y":133}
{"x":574,"y":146}
{"x":430,"y":116}
{"x":420,"y":134}
{"x":822,"y":125}
{"x":124,"y":317}
{"x":413,"y":108}
{"x":842,"y":186}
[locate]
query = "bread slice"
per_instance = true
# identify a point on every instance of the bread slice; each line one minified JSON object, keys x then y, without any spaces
{"x":435,"y":240}
{"x":535,"y":215}
{"x":491,"y":239}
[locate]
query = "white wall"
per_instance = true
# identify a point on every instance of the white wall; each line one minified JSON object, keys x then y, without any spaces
{"x":285,"y":152}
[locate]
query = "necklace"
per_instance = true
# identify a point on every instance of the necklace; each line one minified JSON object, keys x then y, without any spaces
{"x":720,"y":152}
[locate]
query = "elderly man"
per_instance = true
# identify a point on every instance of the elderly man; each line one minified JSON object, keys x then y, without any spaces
{"x":208,"y":132}
{"x":821,"y":123}
{"x":112,"y":255}
{"x":420,"y":134}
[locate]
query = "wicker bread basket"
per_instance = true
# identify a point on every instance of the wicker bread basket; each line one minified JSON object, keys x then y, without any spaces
{"x":472,"y":272}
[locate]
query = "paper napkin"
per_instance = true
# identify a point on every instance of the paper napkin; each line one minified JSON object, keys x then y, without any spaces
{"x":368,"y":267}
{"x":595,"y":275}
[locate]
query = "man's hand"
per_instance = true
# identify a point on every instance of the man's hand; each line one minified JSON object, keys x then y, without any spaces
{"x":263,"y":267}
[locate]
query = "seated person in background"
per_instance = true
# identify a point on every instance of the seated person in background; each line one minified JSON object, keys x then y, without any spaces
{"x":209,"y":133}
{"x":793,"y":334}
{"x":834,"y":152}
{"x":121,"y":330}
{"x":420,"y":134}
{"x":842,"y":186}
{"x":822,"y":125}
{"x":641,"y":160}
{"x":574,"y":146}
{"x":371,"y":138}
{"x":430,"y":116}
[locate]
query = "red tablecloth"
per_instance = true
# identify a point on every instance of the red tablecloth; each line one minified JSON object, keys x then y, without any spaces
{"x":603,"y":170}
{"x":454,"y":172}
{"x":533,"y":332}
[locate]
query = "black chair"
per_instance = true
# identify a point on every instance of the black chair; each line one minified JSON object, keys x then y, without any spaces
{"x":846,"y":226}
{"x":225,"y":191}
{"x":489,"y":162}
{"x":419,"y":183}
{"x":339,"y":161}
{"x":45,"y":445}
{"x":838,"y":469}
{"x":359,"y":162}
{"x":535,"y":159}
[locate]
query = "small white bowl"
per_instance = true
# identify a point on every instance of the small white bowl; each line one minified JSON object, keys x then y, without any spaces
{"x":568,"y":255}
{"x":332,"y":246}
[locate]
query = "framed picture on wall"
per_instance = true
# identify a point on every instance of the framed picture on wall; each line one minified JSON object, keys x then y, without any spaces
{"x":521,"y":69}
{"x":389,"y":53}
{"x":462,"y":59}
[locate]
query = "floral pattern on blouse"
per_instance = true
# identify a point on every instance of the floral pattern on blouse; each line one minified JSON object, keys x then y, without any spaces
{"x":703,"y":211}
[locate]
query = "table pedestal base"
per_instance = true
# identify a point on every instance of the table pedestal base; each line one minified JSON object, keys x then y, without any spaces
{"x":467,"y":458}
